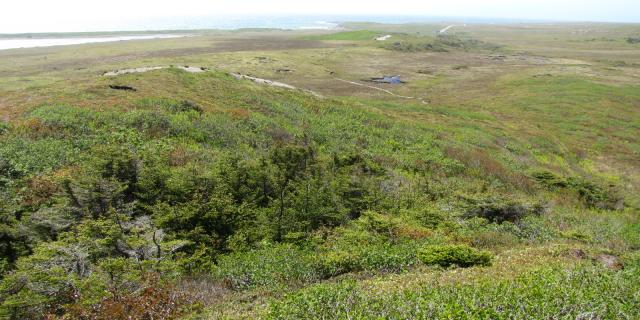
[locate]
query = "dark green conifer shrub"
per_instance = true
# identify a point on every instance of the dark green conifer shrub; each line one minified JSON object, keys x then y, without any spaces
{"x":459,"y":255}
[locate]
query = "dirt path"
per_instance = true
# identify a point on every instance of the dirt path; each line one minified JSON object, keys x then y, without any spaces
{"x":375,"y":88}
{"x":263,"y":81}
{"x":271,"y":83}
{"x":444,"y":30}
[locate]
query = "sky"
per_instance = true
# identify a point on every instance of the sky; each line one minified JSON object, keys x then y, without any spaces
{"x":103,"y":15}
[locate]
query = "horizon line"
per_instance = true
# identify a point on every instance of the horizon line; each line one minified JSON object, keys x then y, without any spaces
{"x":425,"y":21}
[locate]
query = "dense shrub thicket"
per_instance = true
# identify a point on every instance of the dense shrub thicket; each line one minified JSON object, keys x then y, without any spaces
{"x":105,"y":209}
{"x":441,"y":43}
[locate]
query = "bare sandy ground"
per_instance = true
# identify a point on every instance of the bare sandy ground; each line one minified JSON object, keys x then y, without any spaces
{"x":263,"y":81}
{"x":189,"y":69}
{"x":444,"y":30}
{"x":272,"y":83}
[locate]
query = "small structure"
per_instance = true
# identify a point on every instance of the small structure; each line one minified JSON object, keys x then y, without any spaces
{"x":383,"y":38}
{"x":387,"y":79}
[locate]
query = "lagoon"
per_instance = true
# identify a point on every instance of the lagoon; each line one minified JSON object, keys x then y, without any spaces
{"x":15,"y":43}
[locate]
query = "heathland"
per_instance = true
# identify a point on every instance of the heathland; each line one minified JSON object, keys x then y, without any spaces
{"x":262,"y":174}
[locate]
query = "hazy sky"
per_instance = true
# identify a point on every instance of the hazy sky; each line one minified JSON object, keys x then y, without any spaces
{"x":84,"y":15}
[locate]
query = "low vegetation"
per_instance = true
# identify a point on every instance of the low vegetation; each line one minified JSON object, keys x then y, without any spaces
{"x":454,"y":255}
{"x":359,"y":35}
{"x":546,"y":293}
{"x":512,"y":193}
{"x":440,"y":43}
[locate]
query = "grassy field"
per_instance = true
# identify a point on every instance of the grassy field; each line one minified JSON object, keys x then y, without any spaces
{"x":500,"y":181}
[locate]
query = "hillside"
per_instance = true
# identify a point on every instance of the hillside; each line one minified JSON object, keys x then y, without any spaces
{"x":500,"y":181}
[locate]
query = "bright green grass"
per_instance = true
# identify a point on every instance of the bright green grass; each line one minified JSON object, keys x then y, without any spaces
{"x":359,"y":35}
{"x":586,"y":292}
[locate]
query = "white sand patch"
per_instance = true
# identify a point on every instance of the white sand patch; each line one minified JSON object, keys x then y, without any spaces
{"x":263,"y":81}
{"x":383,"y":38}
{"x":444,"y":30}
{"x":193,"y":69}
{"x":130,"y":70}
{"x":272,"y":83}
{"x":189,"y":69}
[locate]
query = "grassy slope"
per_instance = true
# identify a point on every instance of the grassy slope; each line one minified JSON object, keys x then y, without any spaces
{"x":571,"y":123}
{"x":494,"y":293}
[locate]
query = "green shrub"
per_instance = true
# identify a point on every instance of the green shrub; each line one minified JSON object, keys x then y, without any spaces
{"x":442,"y":43}
{"x":184,"y":106}
{"x":493,"y":239}
{"x":499,"y":211}
{"x":465,"y":43}
{"x":4,"y":127}
{"x":171,"y":105}
{"x":334,"y":263}
{"x":361,"y":257}
{"x":549,"y":179}
{"x":23,"y":156}
{"x":374,"y":242}
{"x":416,"y":46}
{"x":631,"y":235}
{"x":592,"y":194}
{"x":633,"y":40}
{"x":69,"y":121}
{"x":272,"y":266}
{"x":428,"y":216}
{"x":459,"y":255}
{"x":576,"y":235}
{"x":151,"y":122}
{"x":534,"y":229}
{"x":8,"y":172}
{"x":357,"y":35}
{"x":632,"y":261}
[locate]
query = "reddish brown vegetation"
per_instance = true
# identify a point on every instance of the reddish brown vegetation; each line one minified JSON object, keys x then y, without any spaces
{"x":180,"y":156}
{"x":478,"y":159}
{"x":155,"y":302}
{"x":239,"y":113}
{"x":415,"y":233}
{"x":40,"y":189}
{"x":35,"y":128}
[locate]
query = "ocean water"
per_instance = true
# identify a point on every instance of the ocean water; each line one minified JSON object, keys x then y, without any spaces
{"x":323,"y":22}
{"x":287,"y":21}
{"x":15,"y":43}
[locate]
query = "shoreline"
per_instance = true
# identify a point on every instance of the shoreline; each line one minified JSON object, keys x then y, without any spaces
{"x":26,"y":43}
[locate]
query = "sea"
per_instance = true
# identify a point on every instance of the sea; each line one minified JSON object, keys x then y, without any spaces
{"x":163,"y":26}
